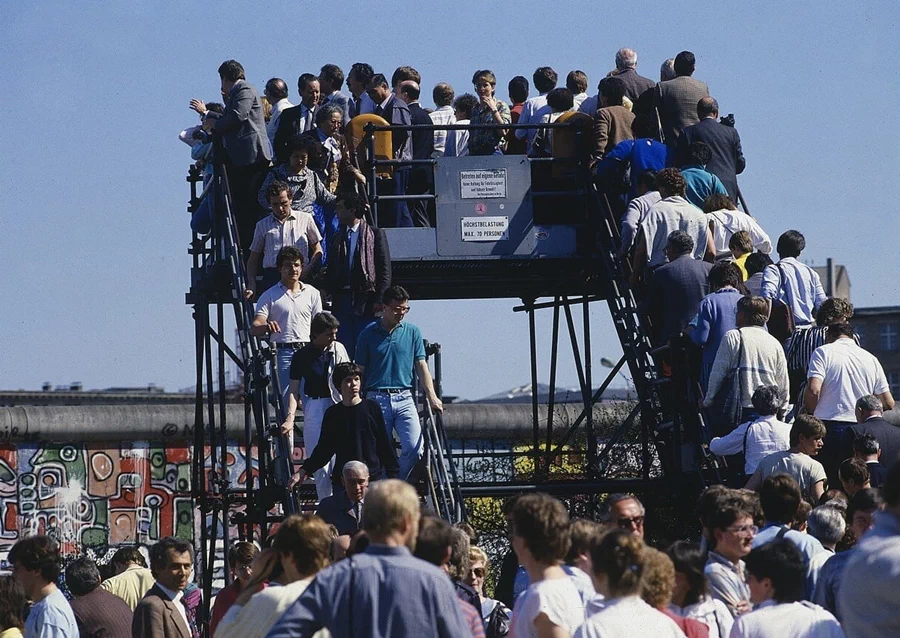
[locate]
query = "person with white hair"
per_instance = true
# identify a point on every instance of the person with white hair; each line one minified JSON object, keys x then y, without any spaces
{"x":343,"y":509}
{"x":626,"y":65}
{"x":827,"y":524}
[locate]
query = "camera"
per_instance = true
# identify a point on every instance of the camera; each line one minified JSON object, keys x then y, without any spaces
{"x":728,"y":120}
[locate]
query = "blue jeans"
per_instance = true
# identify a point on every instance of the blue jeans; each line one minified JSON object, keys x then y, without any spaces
{"x":400,"y":416}
{"x":283,"y":361}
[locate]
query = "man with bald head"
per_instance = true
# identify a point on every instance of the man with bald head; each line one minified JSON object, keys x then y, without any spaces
{"x":420,"y":177}
{"x":277,"y":94}
{"x":626,"y":65}
{"x":727,"y":157}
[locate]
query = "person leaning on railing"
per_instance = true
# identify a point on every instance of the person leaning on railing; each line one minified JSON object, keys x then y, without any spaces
{"x":489,"y":110}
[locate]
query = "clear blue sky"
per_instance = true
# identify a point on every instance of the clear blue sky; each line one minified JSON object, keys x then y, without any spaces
{"x":92,"y":190}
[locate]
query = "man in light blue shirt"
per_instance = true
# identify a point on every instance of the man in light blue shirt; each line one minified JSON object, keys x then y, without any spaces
{"x":794,"y":283}
{"x":35,"y":564}
{"x":780,"y":497}
{"x":386,"y":352}
{"x":536,"y":108}
{"x":384,"y":591}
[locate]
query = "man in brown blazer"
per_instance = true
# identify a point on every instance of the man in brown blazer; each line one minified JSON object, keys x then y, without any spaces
{"x":161,"y":613}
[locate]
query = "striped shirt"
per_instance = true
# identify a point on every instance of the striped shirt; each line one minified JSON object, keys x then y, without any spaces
{"x":443,"y":115}
{"x":271,"y":235}
{"x":801,"y":288}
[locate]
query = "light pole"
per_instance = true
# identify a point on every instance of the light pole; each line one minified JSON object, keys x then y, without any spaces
{"x":606,"y":363}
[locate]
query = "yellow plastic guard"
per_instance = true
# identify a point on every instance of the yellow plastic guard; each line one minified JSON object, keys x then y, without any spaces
{"x":563,"y":140}
{"x":384,"y":149}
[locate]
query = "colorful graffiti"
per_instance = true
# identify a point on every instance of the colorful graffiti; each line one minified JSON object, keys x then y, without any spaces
{"x":94,"y":497}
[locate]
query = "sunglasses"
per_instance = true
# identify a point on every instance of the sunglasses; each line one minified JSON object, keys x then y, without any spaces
{"x":625,"y":523}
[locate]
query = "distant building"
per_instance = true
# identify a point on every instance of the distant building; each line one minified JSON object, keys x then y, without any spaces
{"x":835,"y":279}
{"x":879,"y":333}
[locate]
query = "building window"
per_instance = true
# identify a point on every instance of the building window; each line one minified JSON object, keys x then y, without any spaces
{"x":888,"y":336}
{"x":894,"y":382}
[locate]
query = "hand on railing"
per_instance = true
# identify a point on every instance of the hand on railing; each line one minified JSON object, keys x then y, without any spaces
{"x":436,"y":404}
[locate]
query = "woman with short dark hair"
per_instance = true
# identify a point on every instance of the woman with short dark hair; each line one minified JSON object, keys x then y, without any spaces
{"x":12,"y":606}
{"x":690,"y":597}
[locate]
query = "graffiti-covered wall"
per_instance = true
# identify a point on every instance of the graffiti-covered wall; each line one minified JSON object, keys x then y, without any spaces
{"x":99,"y":495}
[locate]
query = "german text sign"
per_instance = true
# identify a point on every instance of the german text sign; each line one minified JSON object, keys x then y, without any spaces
{"x":485,"y":228}
{"x":488,"y":183}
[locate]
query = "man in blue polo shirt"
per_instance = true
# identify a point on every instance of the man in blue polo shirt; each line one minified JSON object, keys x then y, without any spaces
{"x":386,"y":352}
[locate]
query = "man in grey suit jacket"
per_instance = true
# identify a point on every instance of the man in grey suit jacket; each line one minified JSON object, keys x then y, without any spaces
{"x":343,"y":509}
{"x":677,"y":99}
{"x":243,"y":130}
{"x":727,"y":157}
{"x":331,"y":79}
{"x":626,"y":65}
{"x":161,"y":613}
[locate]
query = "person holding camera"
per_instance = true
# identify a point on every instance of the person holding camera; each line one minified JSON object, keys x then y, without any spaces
{"x":727,"y":161}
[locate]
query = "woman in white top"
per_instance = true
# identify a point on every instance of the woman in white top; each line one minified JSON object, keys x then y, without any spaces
{"x":760,"y":437}
{"x":776,"y":575}
{"x":691,"y":598}
{"x":301,"y":548}
{"x":618,"y":563}
{"x":551,"y":606}
{"x":725,"y":220}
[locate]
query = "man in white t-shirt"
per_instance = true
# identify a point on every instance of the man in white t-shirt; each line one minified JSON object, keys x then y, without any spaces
{"x":285,"y":311}
{"x":839,"y":373}
{"x":35,"y":564}
{"x":806,"y":441}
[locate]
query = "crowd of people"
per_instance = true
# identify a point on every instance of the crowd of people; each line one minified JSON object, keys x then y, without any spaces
{"x":377,"y":563}
{"x":806,"y":544}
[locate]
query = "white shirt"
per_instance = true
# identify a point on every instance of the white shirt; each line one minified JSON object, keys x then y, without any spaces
{"x":557,"y":598}
{"x":727,"y":222}
{"x":787,"y":620}
{"x":764,"y":436}
{"x":668,"y":215}
{"x":443,"y":115}
{"x":457,"y":142}
{"x":578,"y":99}
{"x":533,"y":112}
{"x":270,"y":236}
{"x":175,"y":597}
{"x":293,"y":312}
{"x":711,"y":612}
{"x":628,"y":616}
{"x":847,"y":373}
{"x":262,"y":611}
{"x":277,"y":109}
{"x":634,"y":216}
{"x":802,"y":289}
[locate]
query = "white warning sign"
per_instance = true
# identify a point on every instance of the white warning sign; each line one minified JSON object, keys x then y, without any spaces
{"x":487,"y":183}
{"x":485,"y":228}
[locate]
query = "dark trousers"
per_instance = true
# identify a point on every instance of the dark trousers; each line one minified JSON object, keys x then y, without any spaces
{"x":245,"y":182}
{"x":830,"y":454}
{"x":351,"y":324}
{"x":421,"y":210}
{"x":394,"y":213}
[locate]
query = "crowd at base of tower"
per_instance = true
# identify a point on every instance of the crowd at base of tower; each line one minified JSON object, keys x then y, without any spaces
{"x":808,"y":546}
